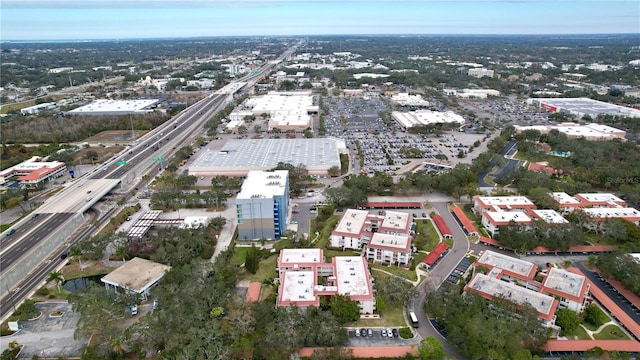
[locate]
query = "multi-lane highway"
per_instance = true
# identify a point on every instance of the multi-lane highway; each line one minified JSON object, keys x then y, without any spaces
{"x":68,"y":205}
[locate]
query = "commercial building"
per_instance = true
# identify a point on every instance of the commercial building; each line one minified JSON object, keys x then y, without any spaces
{"x":405,"y":99}
{"x":472,"y":93}
{"x":592,"y":132}
{"x":345,"y":275}
{"x":357,"y":227}
{"x":136,"y":276}
{"x":480,"y":72}
{"x":583,"y":106}
{"x":116,"y":107}
{"x":37,"y":108}
{"x":238,"y":157}
{"x":33,"y":171}
{"x":482,"y":204}
{"x":426,"y":117}
{"x":286,"y":110}
{"x":261,"y":205}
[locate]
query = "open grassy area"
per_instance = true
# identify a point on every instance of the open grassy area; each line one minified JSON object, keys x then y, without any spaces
{"x":266,"y":270}
{"x":401,"y":272}
{"x":579,"y":334}
{"x":426,"y":235}
{"x":325,"y":231}
{"x":4,"y":227}
{"x":239,"y":255}
{"x":5,"y":109}
{"x":329,"y":254}
{"x":611,"y":332}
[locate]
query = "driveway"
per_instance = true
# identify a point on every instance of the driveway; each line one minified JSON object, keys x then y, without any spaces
{"x":49,"y":336}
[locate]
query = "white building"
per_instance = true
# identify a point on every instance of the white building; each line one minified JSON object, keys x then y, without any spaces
{"x":493,"y":220}
{"x":480,"y":72}
{"x":426,"y":117}
{"x":33,"y":171}
{"x":136,"y":276}
{"x":116,"y":107}
{"x":261,"y":205}
{"x":572,"y":289}
{"x":472,"y":93}
{"x":482,"y":204}
{"x":286,"y":110}
{"x":31,"y":110}
{"x":405,"y":99}
{"x":389,"y":249}
{"x":356,"y":227}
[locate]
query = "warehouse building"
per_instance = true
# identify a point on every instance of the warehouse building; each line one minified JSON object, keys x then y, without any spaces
{"x":287,"y":111}
{"x":592,"y":132}
{"x":238,"y":157}
{"x":261,"y":205}
{"x":426,"y":117}
{"x":116,"y":107}
{"x":583,"y":106}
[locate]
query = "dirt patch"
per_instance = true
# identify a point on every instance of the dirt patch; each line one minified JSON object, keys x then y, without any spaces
{"x":104,"y":153}
{"x":73,"y":269}
{"x":115,"y":135}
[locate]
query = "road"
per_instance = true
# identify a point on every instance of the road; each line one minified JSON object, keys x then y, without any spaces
{"x":438,"y":274}
{"x":158,"y":143}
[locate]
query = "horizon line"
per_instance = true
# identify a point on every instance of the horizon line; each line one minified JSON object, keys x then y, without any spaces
{"x":307,"y":35}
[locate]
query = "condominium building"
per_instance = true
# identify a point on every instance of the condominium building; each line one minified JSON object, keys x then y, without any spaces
{"x":356,"y":227}
{"x":389,"y":249}
{"x":482,"y":204}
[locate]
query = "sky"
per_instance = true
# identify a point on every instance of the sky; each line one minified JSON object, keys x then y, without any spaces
{"x":126,"y":19}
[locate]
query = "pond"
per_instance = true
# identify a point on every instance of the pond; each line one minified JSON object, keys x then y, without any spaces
{"x":82,"y":283}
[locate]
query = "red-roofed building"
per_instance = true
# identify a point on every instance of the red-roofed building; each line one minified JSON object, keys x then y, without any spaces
{"x":33,"y":171}
{"x":390,"y":205}
{"x":253,"y":292}
{"x":467,"y":226}
{"x":436,"y":254}
{"x":544,"y":167}
{"x":441,"y":226}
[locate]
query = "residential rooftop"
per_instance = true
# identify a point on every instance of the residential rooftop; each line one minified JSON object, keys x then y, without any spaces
{"x":564,"y":281}
{"x":507,"y":216}
{"x":484,"y":284}
{"x":390,"y":242}
{"x":505,"y":200}
{"x":352,"y":222}
{"x":563,"y":198}
{"x":351,"y":274}
{"x":297,"y":286}
{"x":600,"y":198}
{"x":550,"y":216}
{"x":394,"y":220}
{"x":511,"y":264}
{"x":610,"y":213}
{"x":300,"y":256}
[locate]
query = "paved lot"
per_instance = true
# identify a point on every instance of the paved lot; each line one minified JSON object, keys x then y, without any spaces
{"x":376,"y":339}
{"x":49,"y":337}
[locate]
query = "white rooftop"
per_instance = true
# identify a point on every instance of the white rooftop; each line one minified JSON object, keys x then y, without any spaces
{"x":508,"y":216}
{"x":563,"y":198}
{"x":264,"y":184}
{"x":298,"y":286}
{"x":506,"y":262}
{"x":296,"y":256}
{"x":550,"y":216}
{"x":600,"y":197}
{"x":426,"y":117}
{"x":565,"y":281}
{"x":604,"y":213}
{"x":115,"y":106}
{"x":505,"y":200}
{"x":136,"y":274}
{"x":31,"y":165}
{"x":292,"y":102}
{"x":395,"y":220}
{"x":407,"y":99}
{"x":266,"y":153}
{"x":390,"y":241}
{"x":590,"y":106}
{"x":512,"y":292}
{"x":352,"y":222}
{"x":193,"y":221}
{"x":351,"y":273}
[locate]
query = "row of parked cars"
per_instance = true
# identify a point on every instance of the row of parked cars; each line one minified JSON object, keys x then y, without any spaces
{"x":383,"y":332}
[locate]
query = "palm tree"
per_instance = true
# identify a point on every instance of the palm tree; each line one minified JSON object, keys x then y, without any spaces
{"x":57,"y":277}
{"x":118,"y":346}
{"x":121,"y":252}
{"x":76,"y":252}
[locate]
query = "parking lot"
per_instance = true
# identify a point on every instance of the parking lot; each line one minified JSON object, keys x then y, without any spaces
{"x":375,"y":337}
{"x":385,"y":148}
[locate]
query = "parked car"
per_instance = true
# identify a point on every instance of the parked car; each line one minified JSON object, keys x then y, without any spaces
{"x":370,"y":331}
{"x":363,"y":332}
{"x":395,"y":332}
{"x":389,"y":333}
{"x":383,"y":333}
{"x":357,"y":332}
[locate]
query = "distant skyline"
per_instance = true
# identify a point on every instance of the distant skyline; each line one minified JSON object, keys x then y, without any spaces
{"x":133,"y":19}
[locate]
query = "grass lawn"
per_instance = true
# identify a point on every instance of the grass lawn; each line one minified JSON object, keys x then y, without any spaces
{"x":391,"y":317}
{"x":611,"y":332}
{"x":4,"y":227}
{"x":239,"y":255}
{"x":591,"y":327}
{"x":325,"y":232}
{"x":266,"y":270}
{"x":401,"y":272}
{"x":426,"y":235}
{"x":580,"y":333}
{"x":329,"y":253}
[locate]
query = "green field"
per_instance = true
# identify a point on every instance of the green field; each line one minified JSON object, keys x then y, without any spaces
{"x":611,"y":332}
{"x":426,"y":235}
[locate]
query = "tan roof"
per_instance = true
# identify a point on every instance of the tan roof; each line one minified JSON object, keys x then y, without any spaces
{"x":136,"y":274}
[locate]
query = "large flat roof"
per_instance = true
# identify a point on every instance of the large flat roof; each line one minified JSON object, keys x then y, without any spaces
{"x":266,"y":153}
{"x":396,"y":221}
{"x":565,"y":282}
{"x":352,"y":222}
{"x":426,"y":117}
{"x":511,"y":264}
{"x":297,"y":286}
{"x":390,"y":242}
{"x":563,"y":198}
{"x":599,"y":198}
{"x":351,"y":274}
{"x":484,"y":284}
{"x":115,"y":106}
{"x":609,"y":213}
{"x":589,"y":106}
{"x":550,"y":216}
{"x":504,"y":200}
{"x":300,"y":256}
{"x":264,"y":184}
{"x":136,"y":274}
{"x":507,"y":216}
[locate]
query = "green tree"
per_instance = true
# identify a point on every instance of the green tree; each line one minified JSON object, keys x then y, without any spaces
{"x":252,"y":259}
{"x":56,"y":277}
{"x":430,"y":349}
{"x":568,"y":320}
{"x":594,"y":315}
{"x":334,"y":171}
{"x":91,"y":156}
{"x":344,"y":309}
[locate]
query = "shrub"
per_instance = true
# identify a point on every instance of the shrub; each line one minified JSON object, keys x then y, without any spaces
{"x":43,"y":291}
{"x":594,"y":315}
{"x":405,"y":333}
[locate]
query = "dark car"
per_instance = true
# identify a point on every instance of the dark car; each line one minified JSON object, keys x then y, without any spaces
{"x":395,"y":332}
{"x":64,"y":255}
{"x":363,"y":332}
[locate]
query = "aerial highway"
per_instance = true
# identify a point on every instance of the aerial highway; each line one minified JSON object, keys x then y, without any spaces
{"x":34,"y":247}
